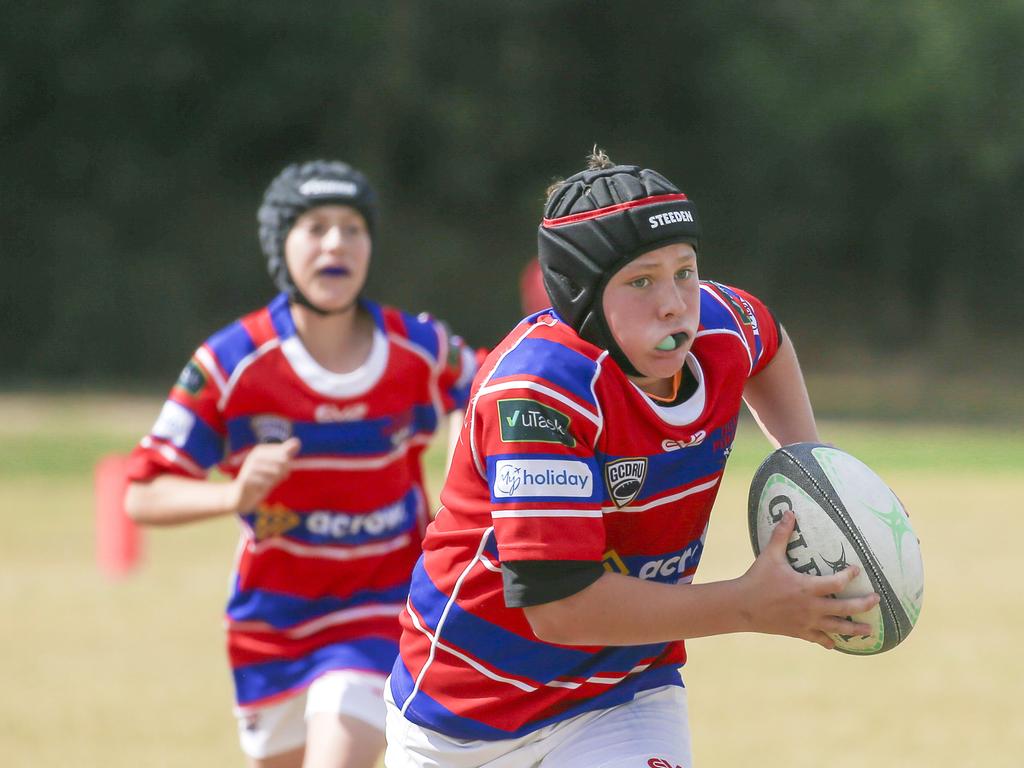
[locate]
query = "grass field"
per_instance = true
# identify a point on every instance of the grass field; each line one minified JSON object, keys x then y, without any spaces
{"x":131,"y":673}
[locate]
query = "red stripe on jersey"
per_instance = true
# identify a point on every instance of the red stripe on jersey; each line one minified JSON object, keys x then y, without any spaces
{"x":254,"y":647}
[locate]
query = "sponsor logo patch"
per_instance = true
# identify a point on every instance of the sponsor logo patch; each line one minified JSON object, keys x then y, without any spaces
{"x":270,"y":429}
{"x":542,"y":477}
{"x":327,"y":413}
{"x":527,"y":421}
{"x":192,"y":378}
{"x":695,"y":439}
{"x":339,"y":525}
{"x":669,"y":217}
{"x":625,"y":478}
{"x":174,"y":423}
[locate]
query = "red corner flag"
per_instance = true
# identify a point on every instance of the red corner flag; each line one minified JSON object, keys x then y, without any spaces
{"x":118,"y":539}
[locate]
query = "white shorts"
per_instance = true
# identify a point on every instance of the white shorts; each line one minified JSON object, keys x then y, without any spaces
{"x":281,"y":726}
{"x":651,"y":731}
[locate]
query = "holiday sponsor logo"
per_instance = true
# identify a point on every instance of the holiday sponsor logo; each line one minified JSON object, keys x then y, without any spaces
{"x":339,"y":525}
{"x":327,"y":413}
{"x":192,"y":378}
{"x":542,"y":477}
{"x":174,"y":423}
{"x":669,"y":217}
{"x":527,"y":421}
{"x":270,"y":429}
{"x":625,"y":478}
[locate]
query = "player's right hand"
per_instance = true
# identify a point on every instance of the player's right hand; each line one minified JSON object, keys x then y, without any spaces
{"x":265,"y":466}
{"x":786,"y":602}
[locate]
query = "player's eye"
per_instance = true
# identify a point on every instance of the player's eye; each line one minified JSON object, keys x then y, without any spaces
{"x":684,"y":274}
{"x":640,"y":282}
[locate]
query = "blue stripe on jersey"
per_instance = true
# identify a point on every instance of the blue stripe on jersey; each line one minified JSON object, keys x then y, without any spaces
{"x":713,"y":314}
{"x":283,"y":611}
{"x":539,"y":477}
{"x":550,"y":360}
{"x":339,"y":527}
{"x":231,"y":345}
{"x":508,"y":652}
{"x":422,"y":333}
{"x":675,"y":470}
{"x":427,"y":712}
{"x":259,"y":681}
{"x":354,"y":438}
{"x":203,"y":445}
{"x":281,"y":316}
{"x":747,"y":310}
{"x":667,"y":568}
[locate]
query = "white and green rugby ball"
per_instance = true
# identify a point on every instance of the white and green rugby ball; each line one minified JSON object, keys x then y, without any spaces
{"x":846,"y":515}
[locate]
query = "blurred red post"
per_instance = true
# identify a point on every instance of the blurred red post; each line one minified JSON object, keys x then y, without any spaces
{"x":118,"y":539}
{"x":532,"y":294}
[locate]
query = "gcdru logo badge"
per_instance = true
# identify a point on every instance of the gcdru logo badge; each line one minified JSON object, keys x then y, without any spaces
{"x":271,"y":429}
{"x":527,"y":421}
{"x":625,"y":478}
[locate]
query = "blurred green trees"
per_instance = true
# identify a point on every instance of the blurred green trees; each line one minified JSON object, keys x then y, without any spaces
{"x":860,"y":165}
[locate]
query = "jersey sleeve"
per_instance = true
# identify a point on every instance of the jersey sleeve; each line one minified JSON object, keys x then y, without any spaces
{"x":188,"y":437}
{"x":534,"y":445}
{"x":761,"y":330}
{"x":459,"y":365}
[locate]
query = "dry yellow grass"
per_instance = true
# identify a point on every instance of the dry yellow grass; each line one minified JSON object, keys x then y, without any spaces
{"x":132,"y":673}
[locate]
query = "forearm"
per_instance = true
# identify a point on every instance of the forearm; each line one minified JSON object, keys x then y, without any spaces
{"x":777,"y":397}
{"x":173,"y":500}
{"x":623,"y":610}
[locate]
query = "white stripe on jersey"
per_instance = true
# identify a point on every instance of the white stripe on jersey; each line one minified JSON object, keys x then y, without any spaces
{"x":538,"y":387}
{"x":313,"y":626}
{"x":209,"y":362}
{"x":434,"y":642}
{"x":244,"y":363}
{"x":435,"y":639}
{"x":666,"y":499}
{"x":732,"y":314}
{"x":546,"y":513}
{"x":321,"y":552}
{"x":173,"y":455}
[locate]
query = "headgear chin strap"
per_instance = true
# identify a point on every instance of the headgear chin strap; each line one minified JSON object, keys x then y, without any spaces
{"x":297,"y":189}
{"x":595,"y":223}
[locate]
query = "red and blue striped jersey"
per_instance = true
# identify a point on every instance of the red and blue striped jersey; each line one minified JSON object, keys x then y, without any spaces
{"x":322,"y":567}
{"x":562,"y":457}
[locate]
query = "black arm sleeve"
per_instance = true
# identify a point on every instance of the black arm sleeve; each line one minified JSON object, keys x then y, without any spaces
{"x":534,"y":582}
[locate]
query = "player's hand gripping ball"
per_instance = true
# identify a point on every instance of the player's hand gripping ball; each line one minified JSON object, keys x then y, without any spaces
{"x":845,"y":515}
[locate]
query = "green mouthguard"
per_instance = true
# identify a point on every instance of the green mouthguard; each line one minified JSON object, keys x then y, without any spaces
{"x":667,"y":344}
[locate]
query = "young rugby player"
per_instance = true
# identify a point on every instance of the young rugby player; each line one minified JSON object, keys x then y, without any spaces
{"x":547,"y":614}
{"x":319,"y":407}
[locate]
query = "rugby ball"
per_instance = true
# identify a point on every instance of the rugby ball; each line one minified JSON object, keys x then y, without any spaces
{"x":845,"y":515}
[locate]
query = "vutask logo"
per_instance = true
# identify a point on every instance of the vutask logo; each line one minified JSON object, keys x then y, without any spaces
{"x":192,"y":378}
{"x":542,"y":477}
{"x":527,"y":421}
{"x":625,"y":478}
